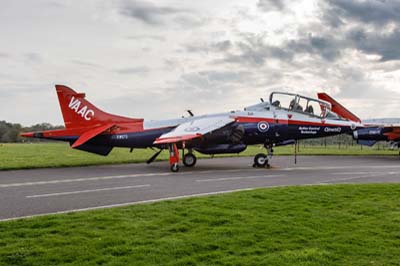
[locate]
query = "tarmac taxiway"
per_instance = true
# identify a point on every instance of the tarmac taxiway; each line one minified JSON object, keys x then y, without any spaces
{"x":26,"y":193}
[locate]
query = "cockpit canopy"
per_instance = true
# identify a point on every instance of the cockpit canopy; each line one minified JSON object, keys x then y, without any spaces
{"x":301,"y":104}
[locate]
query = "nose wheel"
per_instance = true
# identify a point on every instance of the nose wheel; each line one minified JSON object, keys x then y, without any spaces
{"x":174,"y":167}
{"x":260,"y":160}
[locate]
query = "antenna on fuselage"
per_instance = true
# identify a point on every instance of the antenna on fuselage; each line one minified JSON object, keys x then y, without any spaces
{"x":190,"y":112}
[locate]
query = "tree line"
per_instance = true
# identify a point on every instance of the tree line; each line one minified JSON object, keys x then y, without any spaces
{"x":10,"y":132}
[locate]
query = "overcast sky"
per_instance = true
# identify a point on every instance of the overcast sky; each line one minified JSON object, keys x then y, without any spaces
{"x":155,"y":59}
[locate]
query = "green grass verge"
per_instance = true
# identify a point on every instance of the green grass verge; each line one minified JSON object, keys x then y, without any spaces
{"x":314,"y":225}
{"x":24,"y":156}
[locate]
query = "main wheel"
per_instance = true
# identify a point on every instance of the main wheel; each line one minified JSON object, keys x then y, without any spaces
{"x":175,"y":167}
{"x":189,"y":160}
{"x":260,"y":160}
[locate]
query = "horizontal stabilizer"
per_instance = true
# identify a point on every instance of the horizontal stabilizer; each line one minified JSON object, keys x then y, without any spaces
{"x":338,"y":108}
{"x":100,"y":150}
{"x":88,"y":135}
{"x":394,"y":134}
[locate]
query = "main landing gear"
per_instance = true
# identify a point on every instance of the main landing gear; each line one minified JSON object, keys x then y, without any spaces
{"x":188,"y":159}
{"x":261,"y":160}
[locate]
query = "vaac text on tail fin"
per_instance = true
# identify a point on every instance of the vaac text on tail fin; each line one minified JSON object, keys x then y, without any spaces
{"x":80,"y":113}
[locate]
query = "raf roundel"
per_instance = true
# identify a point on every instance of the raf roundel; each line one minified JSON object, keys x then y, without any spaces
{"x":263,"y":126}
{"x":192,"y":129}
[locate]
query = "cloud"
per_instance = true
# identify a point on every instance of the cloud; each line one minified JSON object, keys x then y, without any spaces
{"x":221,"y":46}
{"x":378,"y":12}
{"x":85,"y":63}
{"x":148,"y":12}
{"x":271,"y":5}
{"x":341,"y":25}
{"x":4,"y":55}
{"x":205,"y":55}
{"x":256,"y":52}
{"x":386,"y":45}
{"x":132,"y":70}
{"x":147,"y":37}
{"x":34,"y":58}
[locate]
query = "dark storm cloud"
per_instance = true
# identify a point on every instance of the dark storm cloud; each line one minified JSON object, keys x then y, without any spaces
{"x":148,"y":12}
{"x":270,"y":5}
{"x":378,"y":12}
{"x":343,"y":25}
{"x":358,"y":17}
{"x":385,"y":45}
{"x":327,"y":47}
{"x":254,"y":51}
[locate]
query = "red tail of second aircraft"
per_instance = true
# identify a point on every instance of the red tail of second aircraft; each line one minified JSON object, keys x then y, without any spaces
{"x":338,"y":108}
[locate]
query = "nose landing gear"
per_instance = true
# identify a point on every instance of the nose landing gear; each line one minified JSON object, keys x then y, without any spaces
{"x":188,"y":159}
{"x":173,"y":157}
{"x":261,"y":160}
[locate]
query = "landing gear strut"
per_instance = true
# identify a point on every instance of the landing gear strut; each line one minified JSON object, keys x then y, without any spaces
{"x":262,"y":160}
{"x":173,"y":157}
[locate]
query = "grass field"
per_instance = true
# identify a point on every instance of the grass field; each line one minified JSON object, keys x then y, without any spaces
{"x":314,"y":225}
{"x":20,"y":156}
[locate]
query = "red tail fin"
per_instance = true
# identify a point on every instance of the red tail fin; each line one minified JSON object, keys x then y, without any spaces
{"x":338,"y":108}
{"x":78,"y":112}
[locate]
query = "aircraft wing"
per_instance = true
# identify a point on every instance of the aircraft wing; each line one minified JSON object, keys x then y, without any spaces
{"x":194,"y":129}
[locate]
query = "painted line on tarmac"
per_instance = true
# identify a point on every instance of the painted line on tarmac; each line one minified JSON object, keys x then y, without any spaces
{"x":340,"y":167}
{"x":97,"y":178}
{"x":236,"y":178}
{"x":352,"y":173}
{"x":85,"y":191}
{"x":132,"y":203}
{"x":80,"y":180}
{"x":369,"y":175}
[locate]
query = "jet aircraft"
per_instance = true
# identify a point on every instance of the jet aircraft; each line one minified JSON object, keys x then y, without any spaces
{"x":374,"y":130}
{"x":379,"y":130}
{"x":284,"y":119}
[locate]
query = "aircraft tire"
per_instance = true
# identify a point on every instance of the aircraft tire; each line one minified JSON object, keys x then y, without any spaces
{"x":189,"y":160}
{"x":260,"y":160}
{"x":174,"y":167}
